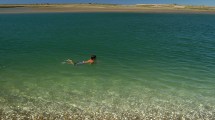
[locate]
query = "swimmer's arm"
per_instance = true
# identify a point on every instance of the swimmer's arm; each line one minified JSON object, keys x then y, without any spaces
{"x":88,"y":61}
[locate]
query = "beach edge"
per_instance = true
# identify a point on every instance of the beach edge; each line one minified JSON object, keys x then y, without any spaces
{"x":138,"y":8}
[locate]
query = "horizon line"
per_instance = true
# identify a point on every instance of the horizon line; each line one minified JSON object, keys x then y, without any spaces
{"x":103,"y":4}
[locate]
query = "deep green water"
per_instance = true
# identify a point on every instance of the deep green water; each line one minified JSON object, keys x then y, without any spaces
{"x":144,"y":62}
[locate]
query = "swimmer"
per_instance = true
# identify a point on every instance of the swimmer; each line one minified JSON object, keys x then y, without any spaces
{"x":90,"y":61}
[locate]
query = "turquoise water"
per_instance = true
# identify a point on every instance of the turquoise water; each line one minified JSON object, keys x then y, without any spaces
{"x":147,"y":64}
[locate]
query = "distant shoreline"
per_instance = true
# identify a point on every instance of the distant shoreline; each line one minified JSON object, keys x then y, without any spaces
{"x":142,"y":8}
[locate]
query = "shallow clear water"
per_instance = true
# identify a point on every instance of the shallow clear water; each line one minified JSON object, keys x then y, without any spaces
{"x":145,"y":62}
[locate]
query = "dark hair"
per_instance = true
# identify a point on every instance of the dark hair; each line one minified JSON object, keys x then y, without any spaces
{"x":93,"y":57}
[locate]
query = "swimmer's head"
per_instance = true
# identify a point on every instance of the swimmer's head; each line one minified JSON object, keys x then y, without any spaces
{"x":93,"y":57}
